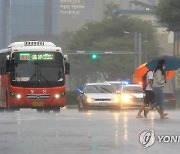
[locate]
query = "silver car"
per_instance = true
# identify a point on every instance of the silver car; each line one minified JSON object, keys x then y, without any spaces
{"x":132,"y":95}
{"x":100,"y":95}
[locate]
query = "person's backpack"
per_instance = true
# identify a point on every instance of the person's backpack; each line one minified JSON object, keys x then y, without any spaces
{"x":144,"y":81}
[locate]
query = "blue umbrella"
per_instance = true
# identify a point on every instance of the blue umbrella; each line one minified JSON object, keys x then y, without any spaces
{"x":172,"y":63}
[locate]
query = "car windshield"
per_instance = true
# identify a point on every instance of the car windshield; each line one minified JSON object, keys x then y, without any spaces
{"x":133,"y":89}
{"x":99,"y":89}
{"x":45,"y":70}
{"x":116,"y":86}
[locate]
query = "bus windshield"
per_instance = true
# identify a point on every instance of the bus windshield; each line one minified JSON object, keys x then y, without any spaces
{"x":37,"y":69}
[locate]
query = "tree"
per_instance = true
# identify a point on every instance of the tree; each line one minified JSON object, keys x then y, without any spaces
{"x":109,"y":35}
{"x":168,"y":11}
{"x":108,"y":12}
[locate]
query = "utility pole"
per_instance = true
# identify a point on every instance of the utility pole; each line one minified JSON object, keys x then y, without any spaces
{"x":135,"y":50}
{"x":140,"y":48}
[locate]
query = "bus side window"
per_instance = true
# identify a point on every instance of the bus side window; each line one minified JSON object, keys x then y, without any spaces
{"x":3,"y":62}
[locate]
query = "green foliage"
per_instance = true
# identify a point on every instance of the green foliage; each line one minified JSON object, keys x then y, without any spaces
{"x":109,"y":35}
{"x":108,"y":13}
{"x":168,"y":12}
{"x":65,"y":38}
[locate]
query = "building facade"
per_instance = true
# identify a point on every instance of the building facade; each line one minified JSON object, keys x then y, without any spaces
{"x":43,"y":19}
{"x":74,"y":14}
{"x":26,"y":19}
{"x":4,"y":23}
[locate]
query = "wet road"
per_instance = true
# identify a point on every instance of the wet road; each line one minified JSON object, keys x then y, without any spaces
{"x":92,"y":132}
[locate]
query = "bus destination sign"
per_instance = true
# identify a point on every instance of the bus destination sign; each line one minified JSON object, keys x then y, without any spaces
{"x":36,"y":56}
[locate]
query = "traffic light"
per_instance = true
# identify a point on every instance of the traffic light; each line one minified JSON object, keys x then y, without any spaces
{"x":94,"y":56}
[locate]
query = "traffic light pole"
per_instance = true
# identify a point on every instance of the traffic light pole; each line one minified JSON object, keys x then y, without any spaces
{"x":99,"y":52}
{"x":137,"y":51}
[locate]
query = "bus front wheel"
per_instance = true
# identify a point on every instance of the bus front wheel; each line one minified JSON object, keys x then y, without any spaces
{"x":40,"y":110}
{"x":10,"y":109}
{"x":56,"y":110}
{"x":1,"y":109}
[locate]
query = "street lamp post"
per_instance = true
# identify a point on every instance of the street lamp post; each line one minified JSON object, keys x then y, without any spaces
{"x":138,"y":49}
{"x":135,"y":50}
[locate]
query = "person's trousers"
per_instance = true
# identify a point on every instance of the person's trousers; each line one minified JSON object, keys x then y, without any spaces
{"x":158,"y":92}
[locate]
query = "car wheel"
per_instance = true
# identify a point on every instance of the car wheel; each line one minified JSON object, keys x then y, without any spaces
{"x":119,"y":107}
{"x":85,"y":107}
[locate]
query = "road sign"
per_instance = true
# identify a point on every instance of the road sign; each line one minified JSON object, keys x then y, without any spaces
{"x":70,"y":52}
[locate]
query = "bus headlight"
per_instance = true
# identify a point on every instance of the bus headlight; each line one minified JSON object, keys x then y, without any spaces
{"x":18,"y":96}
{"x":60,"y":95}
{"x":57,"y":96}
{"x":126,"y":98}
{"x":15,"y":95}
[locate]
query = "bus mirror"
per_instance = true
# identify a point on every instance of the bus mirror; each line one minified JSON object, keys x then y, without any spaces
{"x":8,"y":65}
{"x":8,"y":57}
{"x":67,"y":68}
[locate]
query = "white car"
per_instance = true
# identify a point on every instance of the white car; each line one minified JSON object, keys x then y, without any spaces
{"x":116,"y":84}
{"x":100,"y":95}
{"x":132,"y":95}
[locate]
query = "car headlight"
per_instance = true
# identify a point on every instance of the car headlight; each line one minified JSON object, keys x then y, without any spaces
{"x":126,"y":98}
{"x":115,"y":99}
{"x":89,"y":100}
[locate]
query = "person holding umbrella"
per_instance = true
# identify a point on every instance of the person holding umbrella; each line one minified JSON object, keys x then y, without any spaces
{"x":149,"y":94}
{"x":143,"y":75}
{"x":158,"y":83}
{"x":164,"y":68}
